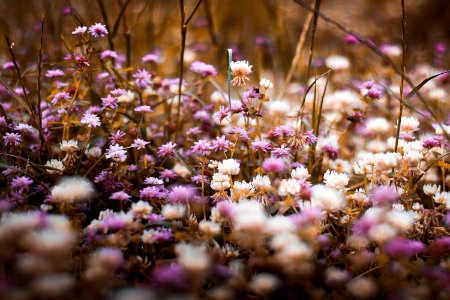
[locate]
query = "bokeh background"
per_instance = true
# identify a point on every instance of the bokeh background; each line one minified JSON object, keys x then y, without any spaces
{"x":263,"y":31}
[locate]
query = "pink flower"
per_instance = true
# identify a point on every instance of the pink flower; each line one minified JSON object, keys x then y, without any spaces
{"x":143,"y":109}
{"x":117,"y":137}
{"x":203,"y":69}
{"x":90,"y":120}
{"x":21,"y":183}
{"x":139,"y":144}
{"x":97,"y":30}
{"x":79,"y":30}
{"x":10,"y":139}
{"x":108,"y":54}
{"x":202,"y":147}
{"x":117,"y":153}
{"x":110,"y":102}
{"x":120,"y":196}
{"x":273,"y":164}
{"x":54,"y":73}
{"x":167,"y":150}
{"x":180,"y":194}
{"x":142,"y":79}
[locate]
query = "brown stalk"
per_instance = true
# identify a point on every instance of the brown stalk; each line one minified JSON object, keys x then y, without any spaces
{"x":105,"y":20}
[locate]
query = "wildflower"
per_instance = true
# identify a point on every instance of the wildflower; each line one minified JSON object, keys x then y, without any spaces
{"x":221,"y":144}
{"x":180,"y":194}
{"x":90,"y":120}
{"x":173,"y":211}
{"x":116,"y":137}
{"x":370,"y":92}
{"x":110,"y":102}
{"x":150,"y":58}
{"x":198,"y":179}
{"x":153,"y":181}
{"x":97,"y":30}
{"x":265,"y":84}
{"x":409,"y":125}
{"x":54,"y":73}
{"x":142,"y":79}
{"x":229,"y":167}
{"x":429,"y":189}
{"x":242,"y":189}
{"x":434,"y":141}
{"x":220,"y":182}
{"x":12,"y":139}
{"x":60,"y":96}
{"x":202,"y":147}
{"x":120,"y":196}
{"x":69,"y":146}
{"x":21,"y":183}
{"x":108,"y":54}
{"x":141,"y":209}
{"x":167,"y":150}
{"x":72,"y":189}
{"x":300,"y":173}
{"x":272,"y":164}
{"x":192,"y":258}
{"x":151,"y":192}
{"x":263,"y":146}
{"x":143,"y":109}
{"x":167,"y":175}
{"x":153,"y":236}
{"x":326,"y":198}
{"x":441,"y":197}
{"x":281,"y":152}
{"x":283,"y":131}
{"x":203,"y":69}
{"x":384,"y":195}
{"x":261,"y":182}
{"x":335,"y":180}
{"x":56,"y":166}
{"x":288,"y":187}
{"x":139,"y":144}
{"x":79,"y":30}
{"x":401,"y":247}
{"x":240,"y":70}
{"x":117,"y":153}
{"x":209,"y":227}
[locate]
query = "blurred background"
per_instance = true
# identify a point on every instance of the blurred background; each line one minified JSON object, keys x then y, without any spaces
{"x":265,"y":32}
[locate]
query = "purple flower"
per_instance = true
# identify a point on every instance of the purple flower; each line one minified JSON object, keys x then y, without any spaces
{"x":152,"y":218}
{"x":108,"y":54}
{"x":117,"y":153}
{"x":110,"y":102}
{"x":54,"y":73}
{"x":272,"y":164}
{"x":97,"y":30}
{"x":281,"y":152}
{"x":332,"y":152}
{"x":284,"y":131}
{"x":171,"y":275}
{"x":143,"y":109}
{"x":240,"y":132}
{"x":139,"y":144}
{"x":198,"y":179}
{"x":90,"y":120}
{"x":220,"y":114}
{"x":108,"y":181}
{"x":202,"y":147}
{"x":167,"y":150}
{"x":167,"y":175}
{"x":401,"y":247}
{"x":79,"y":30}
{"x":142,"y":79}
{"x":193,"y":131}
{"x":221,"y":144}
{"x":116,"y":137}
{"x":151,"y":192}
{"x":263,"y":146}
{"x":434,"y":141}
{"x":60,"y":96}
{"x":384,"y":195}
{"x":350,"y":39}
{"x":203,"y":69}
{"x":150,"y":58}
{"x":120,"y":196}
{"x":12,"y":139}
{"x":180,"y":194}
{"x":21,"y":183}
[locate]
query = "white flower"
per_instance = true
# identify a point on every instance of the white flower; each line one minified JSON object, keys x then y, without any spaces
{"x":261,"y":182}
{"x":240,"y":69}
{"x":288,"y":187}
{"x":209,"y":227}
{"x":429,"y":189}
{"x":173,"y":211}
{"x":141,"y":208}
{"x":300,"y":173}
{"x":242,"y":189}
{"x":220,"y":182}
{"x":377,"y":126}
{"x":79,"y":30}
{"x":279,"y":224}
{"x":249,"y":217}
{"x":265,"y":84}
{"x":192,"y":258}
{"x":401,"y":220}
{"x":413,"y":157}
{"x":68,"y":146}
{"x":229,"y":167}
{"x":279,"y":108}
{"x":72,"y":189}
{"x":382,"y":232}
{"x":264,"y":283}
{"x":335,"y":180}
{"x":117,"y":153}
{"x":409,"y":124}
{"x":55,"y":164}
{"x":441,"y":197}
{"x":326,"y":198}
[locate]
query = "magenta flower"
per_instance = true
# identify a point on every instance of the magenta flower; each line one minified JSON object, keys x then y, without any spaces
{"x":401,"y":247}
{"x":180,"y":194}
{"x":97,"y":30}
{"x":284,"y":131}
{"x":79,"y":30}
{"x":143,"y":109}
{"x":167,"y":175}
{"x":221,"y":144}
{"x":263,"y":146}
{"x":281,"y":152}
{"x":12,"y":139}
{"x":150,"y":58}
{"x":108,"y":54}
{"x":117,"y":137}
{"x":384,"y":195}
{"x":120,"y":196}
{"x":151,"y":192}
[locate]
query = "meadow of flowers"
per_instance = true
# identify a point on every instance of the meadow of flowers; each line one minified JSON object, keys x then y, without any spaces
{"x":121,"y":180}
